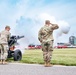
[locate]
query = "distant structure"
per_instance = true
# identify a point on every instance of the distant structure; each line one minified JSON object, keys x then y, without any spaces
{"x":72,"y":40}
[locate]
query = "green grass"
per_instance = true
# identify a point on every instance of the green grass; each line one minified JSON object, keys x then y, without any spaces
{"x":64,"y":57}
{"x":59,"y":57}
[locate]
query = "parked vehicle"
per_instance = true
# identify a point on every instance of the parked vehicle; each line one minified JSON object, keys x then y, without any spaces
{"x":38,"y":47}
{"x":61,"y":46}
{"x":31,"y":46}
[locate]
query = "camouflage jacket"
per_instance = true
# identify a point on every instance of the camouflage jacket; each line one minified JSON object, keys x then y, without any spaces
{"x":46,"y":33}
{"x":4,"y":36}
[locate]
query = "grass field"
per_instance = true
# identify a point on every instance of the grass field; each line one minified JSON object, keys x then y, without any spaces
{"x":60,"y":56}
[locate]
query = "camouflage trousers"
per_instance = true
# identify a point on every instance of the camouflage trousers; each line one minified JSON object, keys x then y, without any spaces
{"x":47,"y":48}
{"x":3,"y":52}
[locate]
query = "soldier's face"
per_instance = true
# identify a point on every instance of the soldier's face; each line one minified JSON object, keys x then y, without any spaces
{"x":48,"y":23}
{"x":8,"y":29}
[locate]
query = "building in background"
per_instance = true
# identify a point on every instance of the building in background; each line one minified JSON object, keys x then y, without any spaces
{"x":72,"y":40}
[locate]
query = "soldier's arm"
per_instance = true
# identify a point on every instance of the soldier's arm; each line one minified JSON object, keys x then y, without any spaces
{"x":54,"y":26}
{"x":40,"y":35}
{"x":8,"y":37}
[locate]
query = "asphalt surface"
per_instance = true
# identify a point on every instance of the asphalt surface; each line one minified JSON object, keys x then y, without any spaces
{"x":35,"y":69}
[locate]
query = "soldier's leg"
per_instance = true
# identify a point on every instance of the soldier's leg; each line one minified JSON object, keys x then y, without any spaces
{"x":0,"y":57}
{"x":1,"y":54}
{"x":5,"y":54}
{"x":50,"y":50}
{"x":45,"y":52}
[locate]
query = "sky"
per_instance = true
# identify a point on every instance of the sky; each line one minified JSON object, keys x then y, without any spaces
{"x":26,"y":17}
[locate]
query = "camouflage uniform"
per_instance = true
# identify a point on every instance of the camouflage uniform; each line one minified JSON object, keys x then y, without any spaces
{"x":45,"y":36}
{"x":4,"y":37}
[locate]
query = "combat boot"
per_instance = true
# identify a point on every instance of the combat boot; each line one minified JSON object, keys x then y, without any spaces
{"x":0,"y":61}
{"x":49,"y":65}
{"x":4,"y":62}
{"x":46,"y":64}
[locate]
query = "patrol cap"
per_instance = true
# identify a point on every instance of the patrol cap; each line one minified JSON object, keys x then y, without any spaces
{"x":47,"y":21}
{"x":7,"y":27}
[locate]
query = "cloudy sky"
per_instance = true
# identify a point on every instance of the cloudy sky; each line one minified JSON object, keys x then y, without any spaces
{"x":27,"y":16}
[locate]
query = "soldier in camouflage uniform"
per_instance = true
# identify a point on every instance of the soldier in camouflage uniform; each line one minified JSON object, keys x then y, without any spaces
{"x":45,"y":36}
{"x":4,"y":37}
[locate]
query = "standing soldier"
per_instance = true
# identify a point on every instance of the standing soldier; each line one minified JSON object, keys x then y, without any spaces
{"x":4,"y":37}
{"x":46,"y":39}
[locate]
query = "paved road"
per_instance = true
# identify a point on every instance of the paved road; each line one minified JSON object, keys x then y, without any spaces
{"x":33,"y":69}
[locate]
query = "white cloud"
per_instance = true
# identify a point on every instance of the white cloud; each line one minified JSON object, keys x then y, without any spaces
{"x":30,"y":27}
{"x":37,"y":12}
